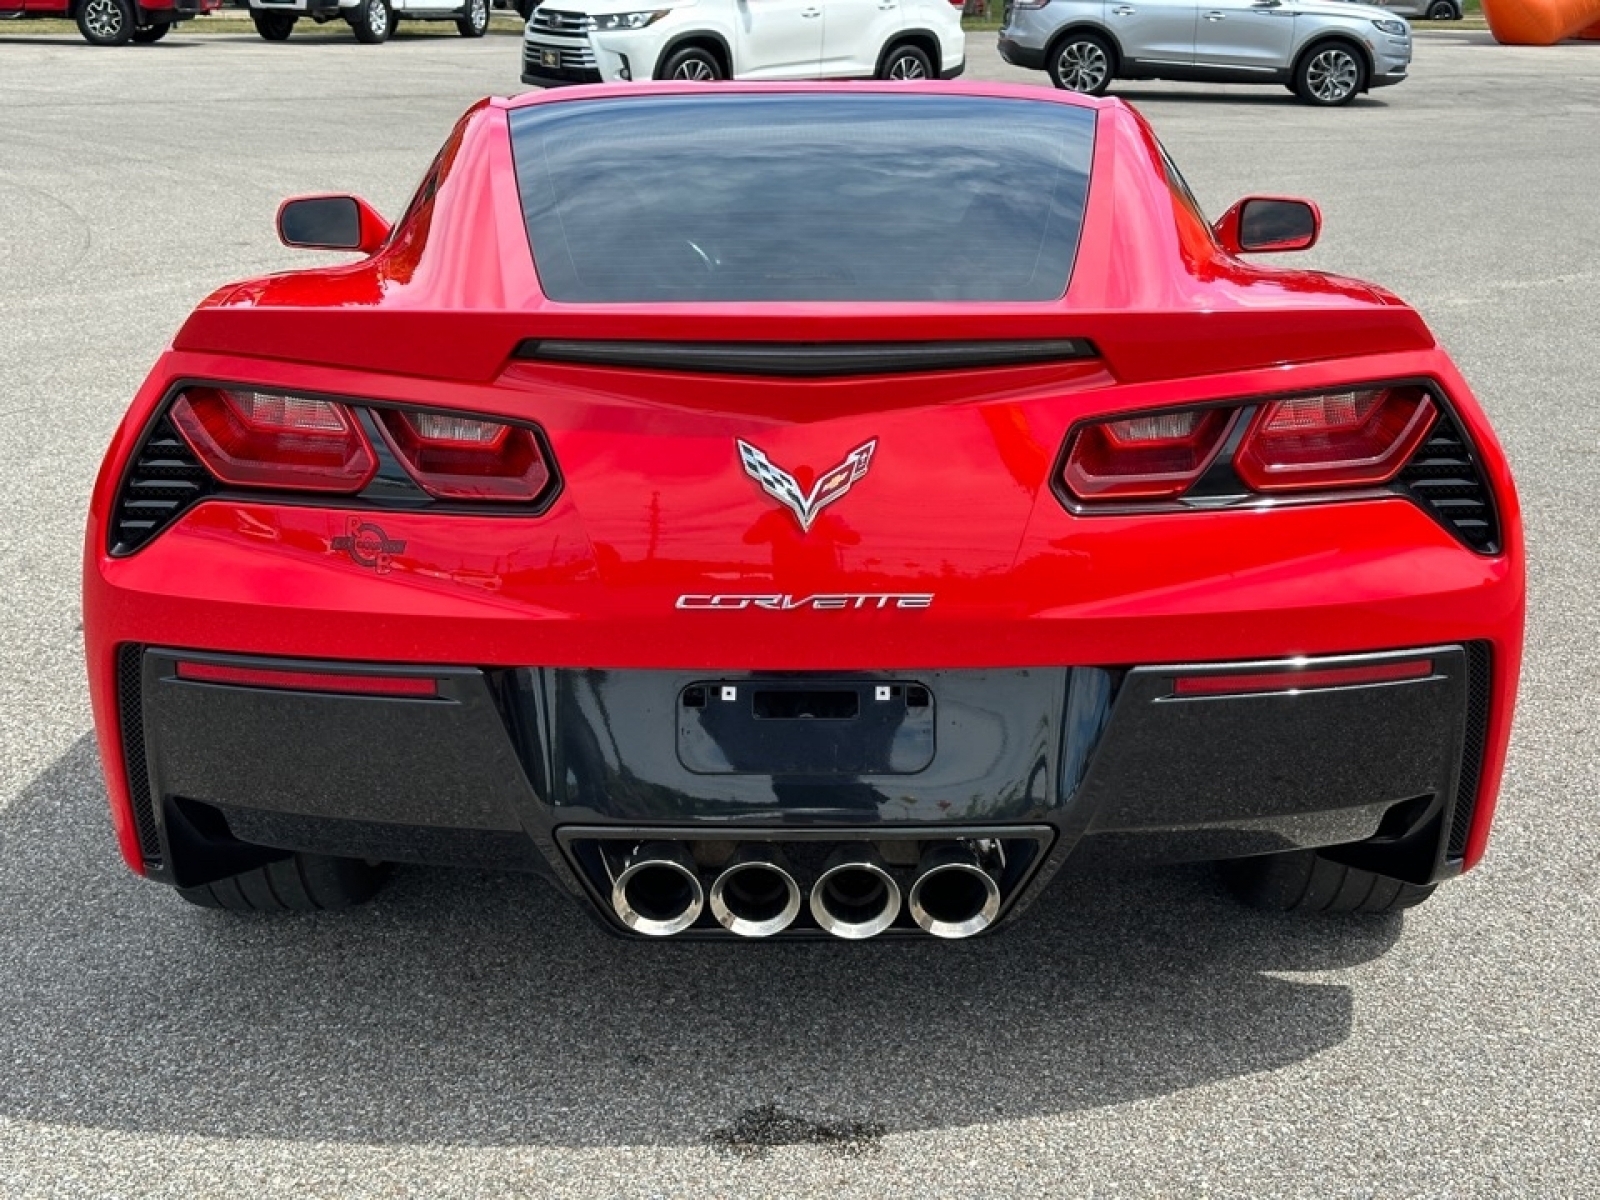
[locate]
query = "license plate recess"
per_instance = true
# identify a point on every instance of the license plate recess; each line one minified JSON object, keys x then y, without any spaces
{"x":806,"y":728}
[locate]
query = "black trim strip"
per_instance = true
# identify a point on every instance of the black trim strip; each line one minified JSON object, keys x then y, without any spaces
{"x":130,"y":715}
{"x":808,"y":359}
{"x":1479,"y":679}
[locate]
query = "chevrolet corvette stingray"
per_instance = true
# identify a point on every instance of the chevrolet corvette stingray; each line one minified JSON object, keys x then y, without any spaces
{"x":803,"y":511}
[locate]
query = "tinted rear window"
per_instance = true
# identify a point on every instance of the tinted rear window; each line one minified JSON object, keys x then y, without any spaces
{"x":827,"y":196}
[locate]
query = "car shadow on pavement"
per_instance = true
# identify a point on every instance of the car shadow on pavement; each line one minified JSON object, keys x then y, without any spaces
{"x":473,"y":1009}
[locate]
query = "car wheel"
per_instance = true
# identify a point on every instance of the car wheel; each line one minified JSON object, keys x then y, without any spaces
{"x":1304,"y":881}
{"x":905,"y":62}
{"x":474,"y":21}
{"x":1443,"y":10}
{"x":1081,"y":63}
{"x":300,"y":883}
{"x":144,"y":35}
{"x":105,"y":22}
{"x":693,"y":65}
{"x":274,"y":26}
{"x":1330,"y":74}
{"x":371,"y":22}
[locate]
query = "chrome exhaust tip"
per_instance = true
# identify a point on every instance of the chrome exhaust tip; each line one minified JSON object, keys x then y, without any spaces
{"x":855,"y":896}
{"x":658,"y":892}
{"x":953,"y":896}
{"x":755,"y":896}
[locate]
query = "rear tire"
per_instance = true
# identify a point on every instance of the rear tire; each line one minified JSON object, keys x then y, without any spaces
{"x":147,"y":35}
{"x":274,"y":26}
{"x":1082,"y":62}
{"x":300,"y":883}
{"x":371,"y":22}
{"x":474,"y":19}
{"x":905,"y":63}
{"x":1330,"y":74}
{"x":692,"y":64}
{"x":1304,"y":881}
{"x":106,"y":22}
{"x":1443,"y":10}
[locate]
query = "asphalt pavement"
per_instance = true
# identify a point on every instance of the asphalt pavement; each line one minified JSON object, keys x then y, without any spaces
{"x":473,"y":1035}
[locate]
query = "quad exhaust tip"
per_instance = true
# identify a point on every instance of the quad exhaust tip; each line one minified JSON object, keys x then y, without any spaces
{"x":658,"y":891}
{"x":855,"y":896}
{"x":953,"y":896}
{"x":755,"y":895}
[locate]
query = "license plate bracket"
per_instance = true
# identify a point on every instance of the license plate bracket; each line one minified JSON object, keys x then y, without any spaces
{"x":805,"y":729}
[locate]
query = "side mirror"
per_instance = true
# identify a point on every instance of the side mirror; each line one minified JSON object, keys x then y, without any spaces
{"x":1269,"y":225}
{"x":331,"y":223}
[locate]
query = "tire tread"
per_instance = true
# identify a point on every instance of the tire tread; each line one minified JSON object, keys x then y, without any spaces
{"x":1305,"y":881}
{"x":298,"y":883}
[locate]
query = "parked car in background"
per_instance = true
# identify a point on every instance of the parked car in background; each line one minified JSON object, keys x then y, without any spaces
{"x":112,"y":22}
{"x":595,"y":41}
{"x":1326,"y":51}
{"x":372,"y":21}
{"x":1422,"y":10}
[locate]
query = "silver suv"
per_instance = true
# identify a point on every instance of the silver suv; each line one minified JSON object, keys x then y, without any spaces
{"x":1326,"y":51}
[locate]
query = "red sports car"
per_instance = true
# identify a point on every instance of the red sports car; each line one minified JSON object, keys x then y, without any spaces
{"x":802,"y":511}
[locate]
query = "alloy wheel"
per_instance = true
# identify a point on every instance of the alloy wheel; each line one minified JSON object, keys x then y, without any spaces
{"x":1082,"y":67}
{"x":695,"y":70}
{"x":378,"y":17}
{"x":478,"y":14}
{"x":907,"y":66}
{"x":104,"y":19}
{"x":1332,"y":75}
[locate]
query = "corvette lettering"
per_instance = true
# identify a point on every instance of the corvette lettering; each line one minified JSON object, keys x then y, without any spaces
{"x":828,"y":601}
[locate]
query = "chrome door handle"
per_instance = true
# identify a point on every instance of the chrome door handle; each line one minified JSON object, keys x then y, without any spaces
{"x":1214,"y":16}
{"x":1122,"y":11}
{"x":810,"y":12}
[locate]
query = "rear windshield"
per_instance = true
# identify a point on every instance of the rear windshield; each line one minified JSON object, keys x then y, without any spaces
{"x":827,"y":196}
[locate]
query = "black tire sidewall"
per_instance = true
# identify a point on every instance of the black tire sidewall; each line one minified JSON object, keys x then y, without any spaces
{"x":464,"y":24}
{"x":148,"y":35}
{"x":361,"y":22}
{"x":273,"y":26}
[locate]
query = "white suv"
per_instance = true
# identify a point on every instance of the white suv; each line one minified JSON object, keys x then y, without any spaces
{"x":370,"y":20}
{"x":594,"y":41}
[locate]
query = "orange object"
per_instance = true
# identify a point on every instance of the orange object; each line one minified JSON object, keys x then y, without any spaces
{"x":1541,"y":22}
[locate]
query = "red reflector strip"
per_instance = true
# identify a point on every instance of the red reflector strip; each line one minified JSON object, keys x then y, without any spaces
{"x":308,"y":681}
{"x":1294,"y":681}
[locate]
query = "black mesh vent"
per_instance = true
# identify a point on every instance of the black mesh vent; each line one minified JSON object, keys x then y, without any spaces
{"x":130,"y":710}
{"x":1443,"y":476}
{"x":1472,"y":747}
{"x":164,"y":480}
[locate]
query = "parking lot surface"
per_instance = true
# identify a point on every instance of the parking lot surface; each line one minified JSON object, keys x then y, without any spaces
{"x":474,"y":1035}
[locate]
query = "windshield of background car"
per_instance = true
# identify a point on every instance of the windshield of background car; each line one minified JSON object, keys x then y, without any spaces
{"x":789,"y":196}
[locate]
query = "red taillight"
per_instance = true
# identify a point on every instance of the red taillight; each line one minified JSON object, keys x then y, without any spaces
{"x":465,"y":458}
{"x":1336,"y":439}
{"x":308,"y":681}
{"x":1294,"y":681}
{"x":1153,"y":457}
{"x":264,"y":439}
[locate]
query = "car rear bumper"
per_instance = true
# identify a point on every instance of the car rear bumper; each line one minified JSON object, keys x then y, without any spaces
{"x":1018,"y":55}
{"x":552,"y":770}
